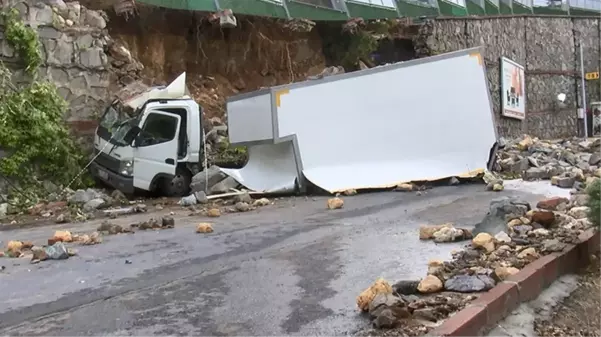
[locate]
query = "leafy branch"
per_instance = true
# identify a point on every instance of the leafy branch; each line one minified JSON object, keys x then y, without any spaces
{"x":32,"y":130}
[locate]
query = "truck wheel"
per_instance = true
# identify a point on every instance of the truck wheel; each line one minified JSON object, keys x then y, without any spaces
{"x":179,"y":185}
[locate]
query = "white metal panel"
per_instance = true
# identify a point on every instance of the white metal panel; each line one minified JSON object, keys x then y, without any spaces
{"x":427,"y":121}
{"x":250,"y":119}
{"x":384,"y":3}
{"x":270,"y":168}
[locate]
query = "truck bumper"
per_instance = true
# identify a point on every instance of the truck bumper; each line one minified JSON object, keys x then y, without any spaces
{"x":117,"y":181}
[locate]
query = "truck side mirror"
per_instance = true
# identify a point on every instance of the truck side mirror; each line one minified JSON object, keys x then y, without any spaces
{"x":131,"y":134}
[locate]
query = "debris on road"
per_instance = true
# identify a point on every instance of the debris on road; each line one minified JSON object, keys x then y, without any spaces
{"x":523,"y":235}
{"x":350,"y":192}
{"x":204,"y":228}
{"x":111,"y":228}
{"x":429,"y":284}
{"x":91,"y":239}
{"x":444,"y":233}
{"x":214,"y":213}
{"x":335,"y":203}
{"x":152,"y":223}
{"x":57,"y":251}
{"x":261,"y":202}
{"x":364,"y":299}
{"x":566,"y":162}
{"x":404,"y":187}
{"x":61,"y":236}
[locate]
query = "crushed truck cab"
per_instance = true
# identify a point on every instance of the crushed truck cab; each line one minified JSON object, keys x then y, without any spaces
{"x":158,"y":149}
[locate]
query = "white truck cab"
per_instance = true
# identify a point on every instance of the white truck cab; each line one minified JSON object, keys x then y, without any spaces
{"x":159,"y":149}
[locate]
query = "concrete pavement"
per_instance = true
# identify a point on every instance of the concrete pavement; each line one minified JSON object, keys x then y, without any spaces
{"x":294,"y":269}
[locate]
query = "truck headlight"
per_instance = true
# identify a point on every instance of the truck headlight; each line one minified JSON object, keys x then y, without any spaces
{"x":127,"y":167}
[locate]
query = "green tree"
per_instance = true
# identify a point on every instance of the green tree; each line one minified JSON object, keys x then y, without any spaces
{"x":32,"y":127}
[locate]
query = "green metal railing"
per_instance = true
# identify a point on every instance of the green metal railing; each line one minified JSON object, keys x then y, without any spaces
{"x":332,"y":10}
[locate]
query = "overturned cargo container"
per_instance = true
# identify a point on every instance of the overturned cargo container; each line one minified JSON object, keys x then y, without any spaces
{"x":424,"y":119}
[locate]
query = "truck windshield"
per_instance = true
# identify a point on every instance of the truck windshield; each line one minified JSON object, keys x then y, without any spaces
{"x":114,"y":124}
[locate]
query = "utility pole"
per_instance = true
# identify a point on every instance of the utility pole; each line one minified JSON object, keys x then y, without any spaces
{"x":583,"y":80}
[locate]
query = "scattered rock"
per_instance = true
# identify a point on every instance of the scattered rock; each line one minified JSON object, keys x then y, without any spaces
{"x":498,"y":187}
{"x":38,"y":254}
{"x":579,"y":212}
{"x":214,"y":213}
{"x":261,"y":202}
{"x":502,"y":273}
{"x":63,"y":218}
{"x":552,"y":204}
{"x":57,"y":251}
{"x":335,"y":203}
{"x":406,"y":287}
{"x":167,"y":222}
{"x":448,"y":234}
{"x":553,"y":245}
{"x":426,"y":232}
{"x":404,"y":187}
{"x":529,"y":254}
{"x":378,"y":287}
{"x":13,"y":248}
{"x":350,"y":192}
{"x":204,"y":228}
{"x":469,"y":283}
{"x":501,"y":210}
{"x":62,"y":236}
{"x":544,"y":218}
{"x":242,"y":207}
{"x":485,"y":241}
{"x":430,"y":284}
{"x":244,"y":197}
{"x":502,"y":237}
{"x":453,"y":181}
{"x":110,"y":228}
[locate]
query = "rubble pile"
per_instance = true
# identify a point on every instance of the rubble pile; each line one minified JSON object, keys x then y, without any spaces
{"x":568,"y":163}
{"x":67,"y":205}
{"x":512,"y":235}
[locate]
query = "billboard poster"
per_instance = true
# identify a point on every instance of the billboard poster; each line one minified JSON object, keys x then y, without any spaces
{"x":513,"y":89}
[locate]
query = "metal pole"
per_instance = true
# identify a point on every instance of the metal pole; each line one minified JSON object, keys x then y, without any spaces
{"x":583,"y":90}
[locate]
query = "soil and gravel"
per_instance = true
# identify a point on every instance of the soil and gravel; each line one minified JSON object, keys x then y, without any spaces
{"x":580,"y":313}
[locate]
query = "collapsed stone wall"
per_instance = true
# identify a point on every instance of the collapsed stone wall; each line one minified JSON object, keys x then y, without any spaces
{"x":73,"y":42}
{"x":548,"y":49}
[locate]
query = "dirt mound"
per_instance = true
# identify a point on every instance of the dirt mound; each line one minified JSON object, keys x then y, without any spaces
{"x":219,"y":62}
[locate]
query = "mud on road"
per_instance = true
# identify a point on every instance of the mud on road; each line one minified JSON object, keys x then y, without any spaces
{"x":279,"y":270}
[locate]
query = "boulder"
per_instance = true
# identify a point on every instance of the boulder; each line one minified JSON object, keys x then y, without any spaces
{"x":429,"y":284}
{"x":335,"y":203}
{"x":500,"y":210}
{"x":469,"y":283}
{"x":426,"y":232}
{"x":213,"y":175}
{"x":204,"y":228}
{"x":381,"y":286}
{"x":484,"y":241}
{"x":551,"y":204}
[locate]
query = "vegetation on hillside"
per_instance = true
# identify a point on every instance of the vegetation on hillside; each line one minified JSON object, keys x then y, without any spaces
{"x":594,"y":202}
{"x":35,"y":139}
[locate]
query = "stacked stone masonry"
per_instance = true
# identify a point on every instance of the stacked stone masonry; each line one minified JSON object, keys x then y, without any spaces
{"x":73,"y":49}
{"x":548,"y":49}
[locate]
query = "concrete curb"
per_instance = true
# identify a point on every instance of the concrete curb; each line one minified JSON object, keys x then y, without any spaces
{"x":491,"y":307}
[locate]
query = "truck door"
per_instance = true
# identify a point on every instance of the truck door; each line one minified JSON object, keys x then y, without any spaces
{"x":155,"y":148}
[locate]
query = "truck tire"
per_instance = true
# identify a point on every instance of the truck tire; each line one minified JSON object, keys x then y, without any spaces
{"x":179,"y":185}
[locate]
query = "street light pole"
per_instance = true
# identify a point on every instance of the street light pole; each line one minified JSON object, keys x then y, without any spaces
{"x":583,"y":90}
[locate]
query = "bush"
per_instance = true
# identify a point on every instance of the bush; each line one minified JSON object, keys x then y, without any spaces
{"x":32,"y":128}
{"x":594,"y":202}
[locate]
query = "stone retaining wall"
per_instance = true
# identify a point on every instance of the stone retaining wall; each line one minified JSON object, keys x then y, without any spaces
{"x":73,"y":48}
{"x":546,"y":46}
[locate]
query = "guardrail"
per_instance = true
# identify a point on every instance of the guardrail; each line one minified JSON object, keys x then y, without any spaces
{"x":332,"y":10}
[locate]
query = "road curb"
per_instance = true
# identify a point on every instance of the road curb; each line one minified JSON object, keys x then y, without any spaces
{"x":491,"y":307}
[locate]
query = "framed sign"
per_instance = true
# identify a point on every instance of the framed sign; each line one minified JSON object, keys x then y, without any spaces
{"x":513,"y":89}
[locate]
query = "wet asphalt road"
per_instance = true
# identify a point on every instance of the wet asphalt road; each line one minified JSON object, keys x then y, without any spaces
{"x":293,"y":269}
